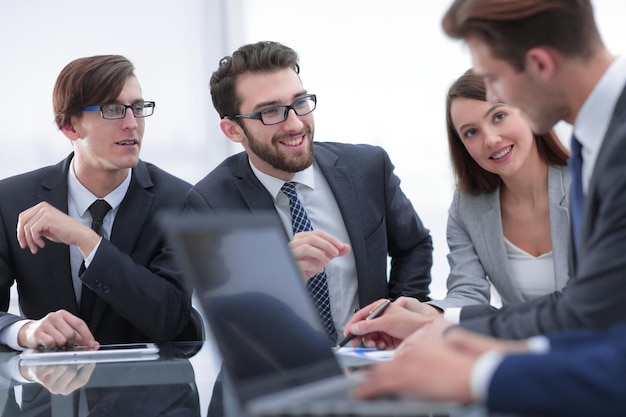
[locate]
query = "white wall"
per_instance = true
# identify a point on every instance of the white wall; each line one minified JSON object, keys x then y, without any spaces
{"x":380,"y":70}
{"x":172,"y":44}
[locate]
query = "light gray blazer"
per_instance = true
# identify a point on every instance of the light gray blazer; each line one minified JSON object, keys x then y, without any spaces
{"x":477,"y":250}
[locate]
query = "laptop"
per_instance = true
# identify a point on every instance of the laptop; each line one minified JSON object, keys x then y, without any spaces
{"x":275,"y":352}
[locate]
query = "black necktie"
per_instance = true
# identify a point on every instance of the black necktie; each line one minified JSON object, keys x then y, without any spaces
{"x":98,"y":210}
{"x":577,"y":197}
{"x":318,"y":284}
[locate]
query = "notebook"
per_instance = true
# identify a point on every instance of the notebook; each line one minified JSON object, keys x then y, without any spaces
{"x":274,"y":349}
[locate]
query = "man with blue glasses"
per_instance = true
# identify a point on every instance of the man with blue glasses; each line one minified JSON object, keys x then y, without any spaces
{"x":90,"y":263}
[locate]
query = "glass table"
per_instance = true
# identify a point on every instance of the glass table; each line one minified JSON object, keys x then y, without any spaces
{"x":178,"y":383}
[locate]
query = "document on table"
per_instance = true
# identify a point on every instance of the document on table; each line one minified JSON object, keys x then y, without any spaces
{"x":353,"y":356}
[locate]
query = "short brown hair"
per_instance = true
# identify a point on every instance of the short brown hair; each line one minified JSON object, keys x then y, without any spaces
{"x":88,"y":81}
{"x":471,"y":177}
{"x":263,"y":56}
{"x":511,"y":27}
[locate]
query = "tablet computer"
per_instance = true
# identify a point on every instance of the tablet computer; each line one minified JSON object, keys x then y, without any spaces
{"x":82,"y":354}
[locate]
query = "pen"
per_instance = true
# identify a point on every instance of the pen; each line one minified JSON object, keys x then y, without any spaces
{"x":375,"y":313}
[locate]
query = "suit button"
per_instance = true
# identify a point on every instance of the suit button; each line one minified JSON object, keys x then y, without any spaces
{"x":106,"y":289}
{"x":98,"y":283}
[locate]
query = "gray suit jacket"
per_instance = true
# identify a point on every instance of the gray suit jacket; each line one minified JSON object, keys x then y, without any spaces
{"x":595,"y":295}
{"x":379,"y":218}
{"x":477,"y":248}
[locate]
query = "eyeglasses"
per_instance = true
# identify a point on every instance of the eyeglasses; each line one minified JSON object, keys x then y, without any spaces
{"x":278,"y":114}
{"x":114,"y":111}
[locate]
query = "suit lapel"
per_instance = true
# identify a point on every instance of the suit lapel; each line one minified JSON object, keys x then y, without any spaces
{"x":493,"y":240}
{"x":133,"y":211}
{"x":338,"y":179}
{"x":255,"y":195}
{"x":129,"y":222}
{"x":614,"y":134}
{"x":54,"y":191}
{"x":590,"y":225}
{"x":559,"y":222}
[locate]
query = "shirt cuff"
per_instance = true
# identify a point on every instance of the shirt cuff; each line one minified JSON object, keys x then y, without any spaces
{"x":9,"y":335}
{"x":482,"y":373}
{"x":92,"y":254}
{"x":452,"y":314}
{"x":539,"y":344}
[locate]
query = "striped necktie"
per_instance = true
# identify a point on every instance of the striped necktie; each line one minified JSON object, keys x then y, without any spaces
{"x":318,"y":284}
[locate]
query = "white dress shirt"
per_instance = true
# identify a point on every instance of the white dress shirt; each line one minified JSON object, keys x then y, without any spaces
{"x":321,"y":207}
{"x":592,"y":121}
{"x":79,"y":199}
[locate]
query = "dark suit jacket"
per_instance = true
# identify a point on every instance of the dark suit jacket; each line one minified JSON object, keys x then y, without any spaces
{"x":140,"y":292}
{"x":379,"y":218}
{"x":584,"y":374}
{"x":595,"y":296}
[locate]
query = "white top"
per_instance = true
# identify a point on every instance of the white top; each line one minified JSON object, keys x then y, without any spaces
{"x":533,"y":275}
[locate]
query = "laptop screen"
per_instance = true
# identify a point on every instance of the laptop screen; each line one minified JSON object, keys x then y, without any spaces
{"x":252,"y":294}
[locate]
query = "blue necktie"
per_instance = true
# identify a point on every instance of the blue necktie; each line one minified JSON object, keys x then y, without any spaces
{"x":318,"y":284}
{"x":577,"y":198}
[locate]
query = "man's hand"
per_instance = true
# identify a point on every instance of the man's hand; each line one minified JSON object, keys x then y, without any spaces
{"x":416,"y":306}
{"x":313,"y":250}
{"x":434,"y":363}
{"x":474,"y":344}
{"x":424,"y":366}
{"x":402,"y":318}
{"x":45,"y":221}
{"x":57,"y":329}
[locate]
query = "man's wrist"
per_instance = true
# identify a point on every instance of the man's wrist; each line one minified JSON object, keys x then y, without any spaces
{"x":482,"y":374}
{"x":11,"y":335}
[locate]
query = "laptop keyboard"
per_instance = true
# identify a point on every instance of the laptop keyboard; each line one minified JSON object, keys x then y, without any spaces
{"x":337,"y":401}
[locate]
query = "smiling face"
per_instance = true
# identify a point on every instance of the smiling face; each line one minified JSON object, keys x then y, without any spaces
{"x":278,"y":150}
{"x":495,"y":135}
{"x":108,"y":147}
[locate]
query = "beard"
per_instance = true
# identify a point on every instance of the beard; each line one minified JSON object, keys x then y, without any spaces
{"x":272,"y":155}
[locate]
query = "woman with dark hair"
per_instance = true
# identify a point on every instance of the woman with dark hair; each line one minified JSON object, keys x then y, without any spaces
{"x":508,"y":224}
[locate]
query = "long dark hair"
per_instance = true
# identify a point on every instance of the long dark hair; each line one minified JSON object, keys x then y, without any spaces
{"x":471,"y":177}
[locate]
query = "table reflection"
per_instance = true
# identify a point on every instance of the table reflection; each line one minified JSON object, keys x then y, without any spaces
{"x":166,"y":386}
